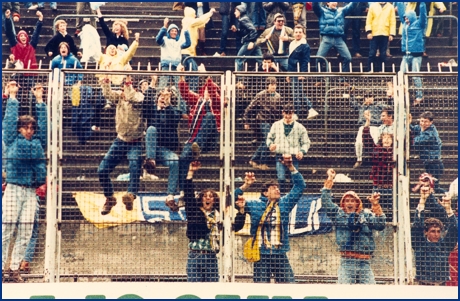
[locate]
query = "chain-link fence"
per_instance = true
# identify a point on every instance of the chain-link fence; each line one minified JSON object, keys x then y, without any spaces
{"x":122,"y":153}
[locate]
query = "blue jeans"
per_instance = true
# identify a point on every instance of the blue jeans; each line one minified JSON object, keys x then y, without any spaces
{"x":33,"y":240}
{"x":380,"y":43}
{"x":165,"y":81}
{"x":244,"y":51}
{"x":355,"y":33}
{"x":224,"y":33}
{"x":52,"y":4}
{"x":202,"y":267}
{"x":414,"y":62}
{"x":299,"y":95}
{"x":327,"y":42}
{"x":283,"y":63}
{"x":19,"y":207}
{"x":191,"y":80}
{"x":163,"y":156}
{"x":281,"y":171}
{"x":262,"y":153}
{"x":276,"y":264}
{"x":258,"y":17}
{"x":118,"y":150}
{"x":355,"y":271}
{"x":206,"y":138}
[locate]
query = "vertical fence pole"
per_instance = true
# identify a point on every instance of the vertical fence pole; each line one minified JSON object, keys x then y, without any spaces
{"x":53,"y":180}
{"x":227,"y":201}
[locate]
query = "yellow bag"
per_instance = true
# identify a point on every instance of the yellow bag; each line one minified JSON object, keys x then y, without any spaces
{"x":76,"y":96}
{"x":251,"y":250}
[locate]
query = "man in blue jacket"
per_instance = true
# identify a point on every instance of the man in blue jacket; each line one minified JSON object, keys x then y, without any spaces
{"x":25,"y":139}
{"x":413,"y":43}
{"x":274,"y":233}
{"x":428,"y":145}
{"x":331,"y":24}
{"x":249,"y":36}
{"x":431,"y":249}
{"x":354,"y":232}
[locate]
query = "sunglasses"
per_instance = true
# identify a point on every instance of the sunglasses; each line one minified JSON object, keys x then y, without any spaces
{"x":280,"y":21}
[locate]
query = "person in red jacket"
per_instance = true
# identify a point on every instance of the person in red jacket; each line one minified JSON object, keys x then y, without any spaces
{"x":23,"y":51}
{"x":382,"y":165}
{"x":204,"y":123}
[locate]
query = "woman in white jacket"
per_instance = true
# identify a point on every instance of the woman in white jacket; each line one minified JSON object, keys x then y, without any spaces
{"x":287,"y":137}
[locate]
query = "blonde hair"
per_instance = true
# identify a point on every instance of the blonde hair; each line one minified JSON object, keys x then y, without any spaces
{"x":124,"y":28}
{"x":59,"y":22}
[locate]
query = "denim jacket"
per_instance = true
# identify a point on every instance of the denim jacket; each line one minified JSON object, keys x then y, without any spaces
{"x":354,"y":231}
{"x":25,"y":159}
{"x":286,"y":203}
{"x":427,"y":143}
{"x":375,"y":109}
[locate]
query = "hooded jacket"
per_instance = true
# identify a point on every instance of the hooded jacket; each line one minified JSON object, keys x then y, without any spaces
{"x":112,"y":38}
{"x":23,"y":52}
{"x":129,"y":122}
{"x":353,"y":230}
{"x":381,"y":20}
{"x":332,"y":21}
{"x":192,"y":24}
{"x":431,"y":12}
{"x":286,"y":203}
{"x":25,"y":159}
{"x":427,"y":143}
{"x":171,"y":48}
{"x":413,"y":41}
{"x":246,"y":29}
{"x":116,"y":62}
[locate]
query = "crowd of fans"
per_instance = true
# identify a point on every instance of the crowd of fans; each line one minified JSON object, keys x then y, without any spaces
{"x":164,"y":102}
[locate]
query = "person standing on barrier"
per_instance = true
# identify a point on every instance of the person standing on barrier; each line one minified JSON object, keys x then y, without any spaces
{"x":23,"y":51}
{"x":274,"y":237}
{"x":162,"y":140}
{"x":53,"y":46}
{"x":374,"y":110}
{"x":287,"y":136}
{"x":25,"y":139}
{"x":382,"y":164}
{"x":248,"y":34}
{"x":331,"y":24}
{"x":299,"y":58}
{"x":80,"y":10}
{"x":277,"y":38}
{"x":130,"y":130}
{"x":413,"y":43}
{"x":354,"y":227}
{"x":431,"y":249}
{"x":428,"y":146}
{"x":171,"y":44}
{"x":192,"y":24}
{"x":381,"y":29}
{"x":203,"y":219}
{"x":263,"y":111}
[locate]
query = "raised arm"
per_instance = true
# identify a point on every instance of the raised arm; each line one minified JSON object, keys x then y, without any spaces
{"x":378,"y":219}
{"x":9,"y":29}
{"x":10,"y":121}
{"x":104,"y":26}
{"x":42,"y":115}
{"x":37,"y":30}
{"x":423,"y":16}
{"x":163,"y":31}
{"x":291,"y":199}
{"x":188,"y":41}
{"x":326,"y":196}
{"x":128,"y":55}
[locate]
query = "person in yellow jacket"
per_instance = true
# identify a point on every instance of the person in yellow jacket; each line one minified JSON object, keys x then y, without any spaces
{"x":193,"y":24}
{"x":112,"y":61}
{"x":380,"y":28}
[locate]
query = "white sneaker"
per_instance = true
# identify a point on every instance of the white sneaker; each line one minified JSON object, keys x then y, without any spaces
{"x":33,"y":7}
{"x":146,"y":176}
{"x":216,"y":54}
{"x":107,"y":106}
{"x":95,"y":128}
{"x":312,"y":114}
{"x":453,"y":63}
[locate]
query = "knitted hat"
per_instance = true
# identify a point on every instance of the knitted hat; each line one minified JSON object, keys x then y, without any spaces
{"x":241,"y":8}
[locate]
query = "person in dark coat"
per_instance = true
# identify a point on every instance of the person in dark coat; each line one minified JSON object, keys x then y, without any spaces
{"x":52,"y":47}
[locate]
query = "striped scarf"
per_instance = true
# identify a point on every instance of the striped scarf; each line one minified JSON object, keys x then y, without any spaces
{"x":212,"y":218}
{"x":271,"y":229}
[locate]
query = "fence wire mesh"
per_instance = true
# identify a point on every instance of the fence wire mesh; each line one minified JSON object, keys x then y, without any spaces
{"x":112,"y":123}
